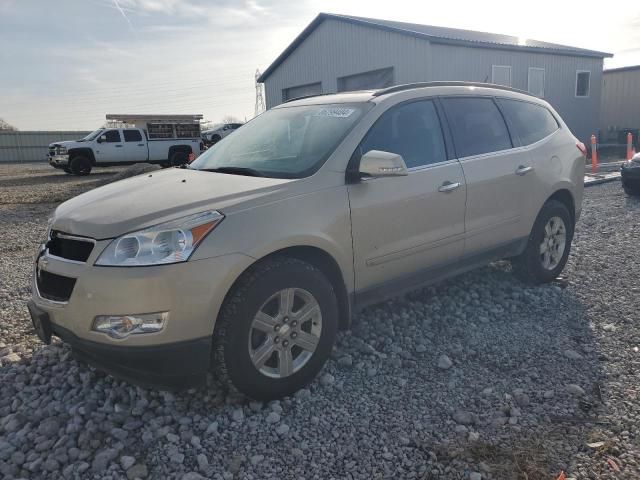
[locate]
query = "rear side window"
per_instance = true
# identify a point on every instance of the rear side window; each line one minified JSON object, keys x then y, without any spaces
{"x":132,"y":136}
{"x":531,"y":122}
{"x":477,"y":126}
{"x":113,"y":136}
{"x":411,"y":130}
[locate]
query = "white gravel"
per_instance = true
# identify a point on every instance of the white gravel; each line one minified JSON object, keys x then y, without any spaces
{"x":480,"y":377}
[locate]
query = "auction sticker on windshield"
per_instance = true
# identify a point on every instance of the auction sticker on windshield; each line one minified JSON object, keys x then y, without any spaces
{"x":336,"y":112}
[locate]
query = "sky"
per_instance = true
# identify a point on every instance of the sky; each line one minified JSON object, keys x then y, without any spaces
{"x":64,"y":64}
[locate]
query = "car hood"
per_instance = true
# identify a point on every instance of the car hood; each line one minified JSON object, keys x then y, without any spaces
{"x":149,"y":199}
{"x":65,"y":143}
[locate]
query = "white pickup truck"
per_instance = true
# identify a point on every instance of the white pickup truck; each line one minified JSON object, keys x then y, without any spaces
{"x":169,"y":140}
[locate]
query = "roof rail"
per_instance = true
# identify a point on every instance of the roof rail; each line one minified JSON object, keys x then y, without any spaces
{"x":309,"y":96}
{"x":409,"y":86}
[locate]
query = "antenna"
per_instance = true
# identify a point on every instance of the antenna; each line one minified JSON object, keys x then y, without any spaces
{"x":260,"y":107}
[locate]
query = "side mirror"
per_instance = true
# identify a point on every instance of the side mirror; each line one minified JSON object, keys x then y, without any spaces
{"x":376,"y":163}
{"x":102,"y":138}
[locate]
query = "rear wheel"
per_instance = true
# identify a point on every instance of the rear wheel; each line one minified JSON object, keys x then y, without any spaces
{"x":548,"y":245}
{"x":80,"y":166}
{"x":178,"y":158}
{"x":276,"y":330}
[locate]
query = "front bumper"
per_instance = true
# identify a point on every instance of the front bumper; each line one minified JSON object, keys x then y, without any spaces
{"x":172,"y":366}
{"x":59,"y":161}
{"x":192,"y":293}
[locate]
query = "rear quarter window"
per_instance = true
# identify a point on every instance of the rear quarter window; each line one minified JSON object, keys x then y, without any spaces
{"x":477,"y":125}
{"x":531,"y":122}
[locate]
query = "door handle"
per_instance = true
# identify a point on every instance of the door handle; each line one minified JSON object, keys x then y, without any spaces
{"x":448,"y":186}
{"x":141,"y":144}
{"x":118,"y":146}
{"x":522,"y":170}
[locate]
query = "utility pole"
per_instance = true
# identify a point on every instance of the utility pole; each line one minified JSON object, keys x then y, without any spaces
{"x":260,"y":107}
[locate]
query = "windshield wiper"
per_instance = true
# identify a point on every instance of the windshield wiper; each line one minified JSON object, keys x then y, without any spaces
{"x":250,"y":172}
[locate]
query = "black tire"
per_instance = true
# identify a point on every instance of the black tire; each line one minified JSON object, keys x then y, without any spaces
{"x":80,"y":165}
{"x":178,"y":158}
{"x":632,"y":192}
{"x":67,"y":170}
{"x":231,"y":357}
{"x":529,"y":265}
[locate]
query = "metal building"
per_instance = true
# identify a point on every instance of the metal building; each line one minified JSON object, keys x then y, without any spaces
{"x":31,"y":146}
{"x":339,"y":53}
{"x":620,"y":103}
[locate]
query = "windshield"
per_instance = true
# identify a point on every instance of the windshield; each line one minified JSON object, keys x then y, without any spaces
{"x":92,"y":135}
{"x":288,"y":142}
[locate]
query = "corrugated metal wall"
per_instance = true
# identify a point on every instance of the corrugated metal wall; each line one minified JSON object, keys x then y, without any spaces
{"x":31,"y":146}
{"x":336,"y":49}
{"x":621,"y":100}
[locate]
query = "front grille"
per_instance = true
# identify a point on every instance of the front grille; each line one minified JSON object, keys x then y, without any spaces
{"x":70,"y":248}
{"x":54,"y":287}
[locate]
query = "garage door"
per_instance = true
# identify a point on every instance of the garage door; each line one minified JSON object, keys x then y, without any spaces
{"x":372,"y":80}
{"x":301,"y":91}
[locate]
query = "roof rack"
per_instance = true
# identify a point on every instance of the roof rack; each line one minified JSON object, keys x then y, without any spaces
{"x":309,"y":96}
{"x":409,"y":86}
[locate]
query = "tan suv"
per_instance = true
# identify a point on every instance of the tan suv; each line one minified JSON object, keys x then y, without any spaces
{"x":249,"y":261}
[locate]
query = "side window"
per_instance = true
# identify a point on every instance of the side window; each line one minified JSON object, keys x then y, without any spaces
{"x":531,"y":122}
{"x":583,"y":83}
{"x":501,"y":75}
{"x":132,"y":135}
{"x":535,"y":81}
{"x":113,"y":136}
{"x":411,"y":130}
{"x":477,"y":125}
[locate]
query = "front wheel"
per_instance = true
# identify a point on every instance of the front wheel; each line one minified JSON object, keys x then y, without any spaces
{"x":80,"y":166}
{"x":548,"y":246}
{"x":276,"y":330}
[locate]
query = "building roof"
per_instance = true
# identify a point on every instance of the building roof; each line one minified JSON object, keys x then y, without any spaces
{"x":622,"y":69}
{"x":434,"y":34}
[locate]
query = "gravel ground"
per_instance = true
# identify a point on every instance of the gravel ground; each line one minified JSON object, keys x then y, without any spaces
{"x":481,"y":377}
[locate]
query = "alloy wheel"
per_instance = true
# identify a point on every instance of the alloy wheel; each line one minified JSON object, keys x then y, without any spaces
{"x":554,"y":243}
{"x":285,"y":332}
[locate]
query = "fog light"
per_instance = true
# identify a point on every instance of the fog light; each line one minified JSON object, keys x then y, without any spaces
{"x":121,"y":326}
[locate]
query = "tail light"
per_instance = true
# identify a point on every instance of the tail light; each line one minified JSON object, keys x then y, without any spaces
{"x":201,"y":146}
{"x":582,"y":149}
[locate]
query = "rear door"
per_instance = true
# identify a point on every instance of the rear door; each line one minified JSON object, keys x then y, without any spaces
{"x":402,"y":226}
{"x":111,"y":148}
{"x":535,"y":129}
{"x":499,"y":177}
{"x":135,"y":147}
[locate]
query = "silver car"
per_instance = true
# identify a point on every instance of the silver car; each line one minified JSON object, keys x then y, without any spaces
{"x":249,"y":261}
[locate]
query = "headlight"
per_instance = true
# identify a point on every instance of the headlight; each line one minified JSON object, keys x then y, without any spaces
{"x":47,"y":235}
{"x":170,"y":242}
{"x":62,"y":150}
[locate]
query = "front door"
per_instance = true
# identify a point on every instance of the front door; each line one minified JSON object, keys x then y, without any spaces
{"x":404,"y":226}
{"x":110,"y":149}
